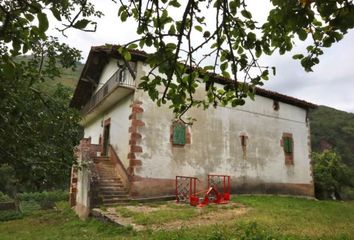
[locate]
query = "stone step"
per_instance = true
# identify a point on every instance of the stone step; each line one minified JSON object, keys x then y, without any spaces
{"x":105,"y":168}
{"x":111,"y":180}
{"x":111,"y":188}
{"x":107,"y":188}
{"x":115,"y":192}
{"x":115,"y":184}
{"x":105,"y":178}
{"x":115,"y":200}
{"x":108,"y":174}
{"x":117,"y":196}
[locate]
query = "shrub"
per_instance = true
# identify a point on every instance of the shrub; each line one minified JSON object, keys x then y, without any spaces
{"x":330,"y":174}
{"x":53,"y":196}
{"x":46,"y":200}
{"x":4,"y":197}
{"x":10,"y":215}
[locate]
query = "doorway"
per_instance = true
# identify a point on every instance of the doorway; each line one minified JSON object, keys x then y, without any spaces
{"x":106,"y":133}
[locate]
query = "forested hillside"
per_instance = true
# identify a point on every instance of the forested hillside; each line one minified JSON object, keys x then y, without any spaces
{"x":333,"y":129}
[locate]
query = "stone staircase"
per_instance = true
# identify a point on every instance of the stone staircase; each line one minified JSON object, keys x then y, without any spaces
{"x":111,"y":187}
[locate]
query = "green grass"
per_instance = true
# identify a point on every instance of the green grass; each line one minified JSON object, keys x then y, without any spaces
{"x":60,"y":224}
{"x":301,"y":217}
{"x":268,"y":217}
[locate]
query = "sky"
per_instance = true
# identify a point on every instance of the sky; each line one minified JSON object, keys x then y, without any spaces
{"x":331,"y":83}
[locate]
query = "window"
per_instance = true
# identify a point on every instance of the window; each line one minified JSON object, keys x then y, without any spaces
{"x":243,"y":140}
{"x":288,"y":147}
{"x":179,"y":134}
{"x":276,"y":105}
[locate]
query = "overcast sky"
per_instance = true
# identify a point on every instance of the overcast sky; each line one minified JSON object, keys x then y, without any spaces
{"x":331,"y":83}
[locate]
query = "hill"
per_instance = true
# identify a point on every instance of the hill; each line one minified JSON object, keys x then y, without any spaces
{"x":333,"y":129}
{"x":69,"y":77}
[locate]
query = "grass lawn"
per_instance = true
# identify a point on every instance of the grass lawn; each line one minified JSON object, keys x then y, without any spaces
{"x":267,"y":217}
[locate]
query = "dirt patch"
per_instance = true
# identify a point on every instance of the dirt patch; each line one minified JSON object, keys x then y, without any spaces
{"x":223,"y":213}
{"x":210,"y":215}
{"x":145,"y":209}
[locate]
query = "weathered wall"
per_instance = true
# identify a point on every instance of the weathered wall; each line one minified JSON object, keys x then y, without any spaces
{"x":140,"y":134}
{"x":119,"y":135}
{"x":108,"y":70}
{"x":216,"y":147}
{"x":82,"y":201}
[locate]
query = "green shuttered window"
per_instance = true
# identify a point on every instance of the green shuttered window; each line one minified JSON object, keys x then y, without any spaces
{"x":179,"y":134}
{"x":288,"y":145}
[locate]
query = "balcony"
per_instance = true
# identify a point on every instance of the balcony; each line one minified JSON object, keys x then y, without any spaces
{"x":117,"y":87}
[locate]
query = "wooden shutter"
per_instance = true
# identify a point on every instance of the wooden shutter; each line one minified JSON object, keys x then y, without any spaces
{"x":288,"y":145}
{"x":179,"y":134}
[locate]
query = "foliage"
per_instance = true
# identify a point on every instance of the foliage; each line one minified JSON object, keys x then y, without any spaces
{"x":37,"y":129}
{"x":4,"y":197}
{"x":42,"y":200}
{"x":333,"y":129}
{"x":10,"y":215}
{"x":223,"y":37}
{"x":54,"y":196}
{"x":330,"y":174}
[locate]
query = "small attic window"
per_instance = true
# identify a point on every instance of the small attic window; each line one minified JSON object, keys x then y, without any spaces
{"x":276,"y":105}
{"x":243,"y":140}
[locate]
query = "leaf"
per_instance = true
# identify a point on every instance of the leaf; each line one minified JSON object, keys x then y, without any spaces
{"x":124,"y":16}
{"x":29,"y":17}
{"x":81,"y":24}
{"x":42,"y":22}
{"x":141,"y":43}
{"x":56,"y":13}
{"x":298,"y":56}
{"x":199,"y":28}
{"x":246,"y":14}
{"x":175,"y":3}
{"x":302,"y":34}
{"x":127,"y":56}
{"x":172,"y":30}
{"x":133,"y":46}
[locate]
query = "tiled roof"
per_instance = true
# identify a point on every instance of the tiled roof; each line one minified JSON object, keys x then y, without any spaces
{"x":99,"y":55}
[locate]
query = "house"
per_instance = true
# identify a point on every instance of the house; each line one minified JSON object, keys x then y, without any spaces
{"x":135,"y":149}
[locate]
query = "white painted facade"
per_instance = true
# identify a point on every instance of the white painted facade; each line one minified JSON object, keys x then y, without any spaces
{"x":215,"y":139}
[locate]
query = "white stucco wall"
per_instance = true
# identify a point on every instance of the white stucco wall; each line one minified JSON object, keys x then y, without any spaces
{"x":215,"y":139}
{"x":216,"y":144}
{"x":109,"y":69}
{"x":119,"y":130}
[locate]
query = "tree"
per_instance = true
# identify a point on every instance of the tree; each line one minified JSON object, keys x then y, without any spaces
{"x":330,"y":174}
{"x":37,"y":128}
{"x":186,"y":45}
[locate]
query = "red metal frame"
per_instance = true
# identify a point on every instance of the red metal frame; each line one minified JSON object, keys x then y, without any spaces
{"x":192,"y":182}
{"x":218,"y":185}
{"x":224,"y":190}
